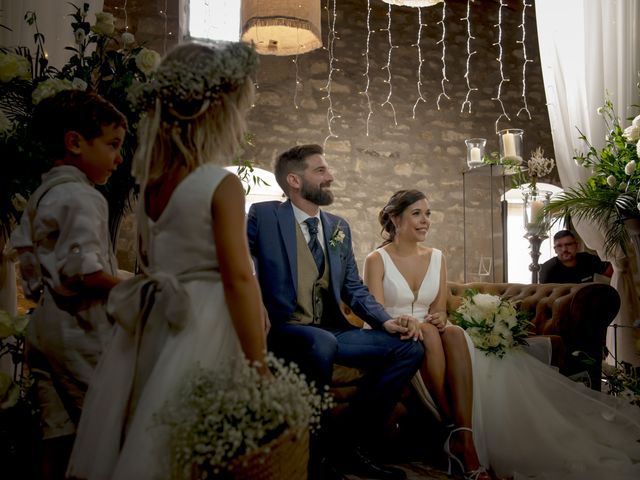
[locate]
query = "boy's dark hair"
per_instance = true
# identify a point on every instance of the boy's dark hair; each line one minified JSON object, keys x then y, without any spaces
{"x":293,"y":160}
{"x":72,"y":110}
{"x":562,"y":234}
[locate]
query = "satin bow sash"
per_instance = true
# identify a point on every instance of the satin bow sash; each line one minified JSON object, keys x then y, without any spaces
{"x":131,"y":301}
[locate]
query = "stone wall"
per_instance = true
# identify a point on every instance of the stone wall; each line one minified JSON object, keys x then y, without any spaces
{"x":426,"y":152}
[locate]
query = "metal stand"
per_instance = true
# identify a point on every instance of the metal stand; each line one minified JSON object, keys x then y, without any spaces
{"x":535,"y":240}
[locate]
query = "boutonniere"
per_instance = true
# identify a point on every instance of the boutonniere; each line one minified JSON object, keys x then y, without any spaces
{"x":337,"y":237}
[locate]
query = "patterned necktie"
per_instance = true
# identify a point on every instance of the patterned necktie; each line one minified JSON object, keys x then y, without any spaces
{"x":314,"y":244}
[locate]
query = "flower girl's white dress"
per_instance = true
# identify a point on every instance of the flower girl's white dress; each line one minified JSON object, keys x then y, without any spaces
{"x":529,"y":421}
{"x":119,"y":436}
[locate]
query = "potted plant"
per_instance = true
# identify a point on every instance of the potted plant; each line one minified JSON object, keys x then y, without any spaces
{"x":610,"y":197}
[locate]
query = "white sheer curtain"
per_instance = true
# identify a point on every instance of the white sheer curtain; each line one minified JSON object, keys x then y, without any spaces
{"x":53,"y":21}
{"x":589,"y":49}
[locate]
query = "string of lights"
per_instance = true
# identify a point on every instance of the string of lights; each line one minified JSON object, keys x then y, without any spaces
{"x":444,"y":52}
{"x":365,"y":92}
{"x":387,"y":67}
{"x":503,"y":79}
{"x":165,"y":18}
{"x":420,"y":62}
{"x":523,"y":26}
{"x":331,"y":38}
{"x":467,"y":74}
{"x":298,"y":85}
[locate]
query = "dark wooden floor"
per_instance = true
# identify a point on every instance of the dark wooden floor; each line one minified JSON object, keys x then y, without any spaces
{"x":416,"y":471}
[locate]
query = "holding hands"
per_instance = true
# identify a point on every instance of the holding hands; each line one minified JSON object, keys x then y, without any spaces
{"x":407,"y":326}
{"x":438,"y":320}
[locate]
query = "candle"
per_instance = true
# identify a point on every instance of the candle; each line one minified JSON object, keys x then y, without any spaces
{"x":536,"y":208}
{"x":475,"y":154}
{"x":509,"y":145}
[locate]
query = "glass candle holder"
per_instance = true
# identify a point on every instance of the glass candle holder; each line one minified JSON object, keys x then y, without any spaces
{"x":475,"y":151}
{"x":535,"y":223}
{"x":511,"y":145}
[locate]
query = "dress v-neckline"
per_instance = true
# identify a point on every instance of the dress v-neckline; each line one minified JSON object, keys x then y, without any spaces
{"x":415,"y":294}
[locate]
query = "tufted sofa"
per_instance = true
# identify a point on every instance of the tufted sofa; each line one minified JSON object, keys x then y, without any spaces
{"x":573,"y":316}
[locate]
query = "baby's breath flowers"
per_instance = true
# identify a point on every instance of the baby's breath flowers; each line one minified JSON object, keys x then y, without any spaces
{"x":493,"y":323}
{"x":218,"y":416}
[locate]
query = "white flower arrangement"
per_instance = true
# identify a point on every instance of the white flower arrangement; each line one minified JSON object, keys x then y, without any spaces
{"x":218,"y":416}
{"x":493,"y":323}
{"x":338,"y":236}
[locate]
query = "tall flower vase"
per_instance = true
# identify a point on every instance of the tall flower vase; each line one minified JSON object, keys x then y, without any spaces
{"x":536,"y":224}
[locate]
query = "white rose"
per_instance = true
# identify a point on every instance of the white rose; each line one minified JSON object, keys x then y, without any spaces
{"x":79,"y":84}
{"x":486,"y":302}
{"x":636,"y":122}
{"x":630,"y":167}
{"x":104,"y":24}
{"x":493,"y":340}
{"x":79,"y":36}
{"x":638,"y":148}
{"x":49,"y":88}
{"x":611,"y":181}
{"x":127,"y":39}
{"x":147,"y":60}
{"x":13,"y":66}
{"x":632,"y":133}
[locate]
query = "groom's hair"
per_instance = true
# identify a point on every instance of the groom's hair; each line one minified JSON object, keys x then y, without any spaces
{"x":294,"y":161}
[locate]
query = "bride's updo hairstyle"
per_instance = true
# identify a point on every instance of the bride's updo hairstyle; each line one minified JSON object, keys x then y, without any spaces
{"x":195,"y":107}
{"x":397,"y":204}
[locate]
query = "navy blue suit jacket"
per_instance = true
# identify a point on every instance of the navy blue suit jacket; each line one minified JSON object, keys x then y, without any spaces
{"x":272,"y":242}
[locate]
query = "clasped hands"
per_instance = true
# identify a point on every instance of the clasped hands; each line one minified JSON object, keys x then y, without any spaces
{"x":409,"y":327}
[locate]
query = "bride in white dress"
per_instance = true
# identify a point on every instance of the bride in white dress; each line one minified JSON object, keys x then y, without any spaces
{"x":528,"y":421}
{"x":197,"y":302}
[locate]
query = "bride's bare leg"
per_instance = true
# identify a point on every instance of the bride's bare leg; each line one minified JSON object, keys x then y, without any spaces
{"x":433,"y":369}
{"x":459,"y":377}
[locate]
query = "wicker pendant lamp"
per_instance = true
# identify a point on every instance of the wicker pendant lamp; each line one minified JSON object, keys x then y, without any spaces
{"x":413,"y":3}
{"x":281,"y":27}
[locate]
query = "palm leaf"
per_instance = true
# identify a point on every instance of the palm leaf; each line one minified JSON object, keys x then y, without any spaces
{"x":603,"y":207}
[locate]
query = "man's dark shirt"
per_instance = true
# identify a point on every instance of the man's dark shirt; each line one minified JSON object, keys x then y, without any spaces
{"x":587,"y":265}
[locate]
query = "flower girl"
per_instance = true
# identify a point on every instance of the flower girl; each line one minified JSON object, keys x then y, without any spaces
{"x":196,"y":303}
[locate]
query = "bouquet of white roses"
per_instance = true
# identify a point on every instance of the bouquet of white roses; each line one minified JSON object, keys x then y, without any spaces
{"x":221,"y":415}
{"x":493,"y":323}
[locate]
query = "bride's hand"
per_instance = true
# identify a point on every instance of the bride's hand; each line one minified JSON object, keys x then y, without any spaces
{"x":438,"y":320}
{"x":407,"y":326}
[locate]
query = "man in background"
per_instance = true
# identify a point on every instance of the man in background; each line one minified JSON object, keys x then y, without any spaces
{"x":569,"y":265}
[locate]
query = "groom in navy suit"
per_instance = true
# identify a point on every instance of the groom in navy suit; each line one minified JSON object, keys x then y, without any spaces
{"x":305,"y":266}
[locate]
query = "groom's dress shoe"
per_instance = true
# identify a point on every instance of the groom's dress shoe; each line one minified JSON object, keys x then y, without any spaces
{"x":359,"y":463}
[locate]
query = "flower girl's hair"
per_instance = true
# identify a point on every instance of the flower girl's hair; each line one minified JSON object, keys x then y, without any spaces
{"x":196,"y":107}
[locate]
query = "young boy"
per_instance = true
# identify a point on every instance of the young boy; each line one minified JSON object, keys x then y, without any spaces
{"x":66,"y":260}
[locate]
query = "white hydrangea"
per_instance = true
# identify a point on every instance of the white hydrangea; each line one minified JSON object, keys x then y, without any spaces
{"x":13,"y":66}
{"x":50,"y":87}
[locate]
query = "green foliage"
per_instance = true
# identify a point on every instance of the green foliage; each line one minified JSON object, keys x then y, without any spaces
{"x":612,"y":192}
{"x":110,"y":68}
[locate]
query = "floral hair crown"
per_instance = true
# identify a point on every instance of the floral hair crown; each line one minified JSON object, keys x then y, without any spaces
{"x":188,"y":86}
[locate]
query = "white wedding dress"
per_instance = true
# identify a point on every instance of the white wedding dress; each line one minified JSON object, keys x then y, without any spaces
{"x":529,"y":421}
{"x":189,"y":324}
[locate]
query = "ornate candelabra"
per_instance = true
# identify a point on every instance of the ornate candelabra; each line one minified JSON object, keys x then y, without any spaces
{"x":536,"y":224}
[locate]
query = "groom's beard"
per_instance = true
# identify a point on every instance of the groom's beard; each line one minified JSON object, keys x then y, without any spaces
{"x":316,"y":194}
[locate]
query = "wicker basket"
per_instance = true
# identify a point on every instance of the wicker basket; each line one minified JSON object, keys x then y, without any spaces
{"x":285,"y":458}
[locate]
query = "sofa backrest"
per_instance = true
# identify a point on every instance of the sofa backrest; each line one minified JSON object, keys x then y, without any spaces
{"x":548,"y":302}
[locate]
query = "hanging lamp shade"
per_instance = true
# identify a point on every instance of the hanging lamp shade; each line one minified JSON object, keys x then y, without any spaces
{"x":281,"y":27}
{"x":413,"y":3}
